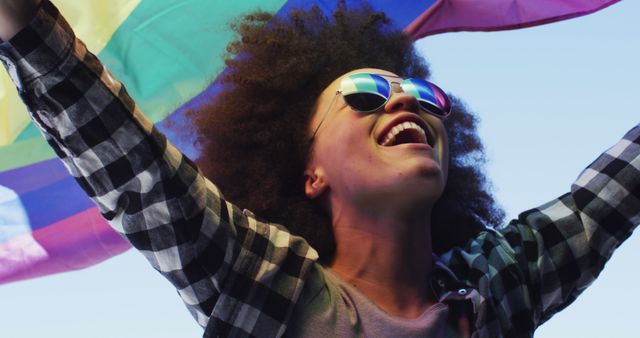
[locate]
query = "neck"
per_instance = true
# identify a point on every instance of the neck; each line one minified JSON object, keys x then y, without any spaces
{"x":387,"y":257}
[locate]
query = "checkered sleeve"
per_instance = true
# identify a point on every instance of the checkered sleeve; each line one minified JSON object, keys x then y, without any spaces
{"x":237,"y":275}
{"x":563,"y":245}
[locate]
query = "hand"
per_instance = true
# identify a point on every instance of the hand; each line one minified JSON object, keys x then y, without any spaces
{"x":15,"y":14}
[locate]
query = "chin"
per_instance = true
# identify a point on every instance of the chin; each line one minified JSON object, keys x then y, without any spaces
{"x":426,"y":172}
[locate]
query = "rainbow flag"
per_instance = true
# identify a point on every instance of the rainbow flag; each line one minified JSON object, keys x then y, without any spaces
{"x":166,"y":52}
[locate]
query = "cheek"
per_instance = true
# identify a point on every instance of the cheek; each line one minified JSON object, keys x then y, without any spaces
{"x":348,"y":134}
{"x":442,"y":141}
{"x":444,"y":155}
{"x":348,"y":152}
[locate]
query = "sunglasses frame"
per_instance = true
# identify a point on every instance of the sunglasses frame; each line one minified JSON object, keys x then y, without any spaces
{"x":391,"y":83}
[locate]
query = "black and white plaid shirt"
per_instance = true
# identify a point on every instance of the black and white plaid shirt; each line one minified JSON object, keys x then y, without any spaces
{"x":242,"y":277}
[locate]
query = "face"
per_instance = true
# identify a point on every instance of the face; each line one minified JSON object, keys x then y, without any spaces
{"x":359,"y":158}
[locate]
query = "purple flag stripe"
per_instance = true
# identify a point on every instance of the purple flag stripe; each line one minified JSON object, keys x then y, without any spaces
{"x":34,"y":176}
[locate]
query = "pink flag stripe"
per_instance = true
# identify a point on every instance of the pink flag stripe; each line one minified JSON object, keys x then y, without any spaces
{"x":74,"y":243}
{"x":492,"y":15}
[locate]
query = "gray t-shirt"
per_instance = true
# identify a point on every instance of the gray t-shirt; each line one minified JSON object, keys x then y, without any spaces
{"x":330,"y":307}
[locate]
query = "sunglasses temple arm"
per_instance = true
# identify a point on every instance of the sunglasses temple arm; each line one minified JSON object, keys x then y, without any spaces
{"x":324,"y":116}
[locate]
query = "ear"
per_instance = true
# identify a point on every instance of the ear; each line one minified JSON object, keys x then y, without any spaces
{"x":315,"y":183}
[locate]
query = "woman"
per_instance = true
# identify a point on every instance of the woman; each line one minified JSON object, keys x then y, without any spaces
{"x":378,"y":187}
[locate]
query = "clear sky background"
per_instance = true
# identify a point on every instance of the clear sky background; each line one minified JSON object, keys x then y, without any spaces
{"x":551,"y":98}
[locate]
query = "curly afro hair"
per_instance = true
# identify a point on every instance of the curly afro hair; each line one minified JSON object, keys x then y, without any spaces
{"x":253,"y":132}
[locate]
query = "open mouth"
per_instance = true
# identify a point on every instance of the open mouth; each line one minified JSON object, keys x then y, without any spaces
{"x":407,"y":132}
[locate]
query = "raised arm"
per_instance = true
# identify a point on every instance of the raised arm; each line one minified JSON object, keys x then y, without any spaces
{"x":539,"y":263}
{"x":563,"y":245}
{"x":228,"y":268}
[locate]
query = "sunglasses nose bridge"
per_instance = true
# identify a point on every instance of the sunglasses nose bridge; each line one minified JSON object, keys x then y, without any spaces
{"x":396,"y":87}
{"x":401,"y":101}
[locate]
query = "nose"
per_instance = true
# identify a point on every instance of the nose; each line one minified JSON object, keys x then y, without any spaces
{"x":401,"y":101}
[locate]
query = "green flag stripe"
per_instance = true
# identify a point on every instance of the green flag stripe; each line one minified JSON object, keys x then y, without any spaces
{"x":23,"y":153}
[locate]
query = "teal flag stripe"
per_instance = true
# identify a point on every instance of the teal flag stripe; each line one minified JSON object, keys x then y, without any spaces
{"x":166,"y":53}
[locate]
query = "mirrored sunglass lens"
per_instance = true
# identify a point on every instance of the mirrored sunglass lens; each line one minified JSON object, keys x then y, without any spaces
{"x":433,"y":109}
{"x":431,"y":97}
{"x":365,"y":102}
{"x":365,"y":92}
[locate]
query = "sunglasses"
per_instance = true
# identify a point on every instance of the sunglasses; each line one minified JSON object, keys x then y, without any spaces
{"x":368,"y":92}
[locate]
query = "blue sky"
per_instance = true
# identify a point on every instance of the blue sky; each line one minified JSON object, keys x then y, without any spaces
{"x":551,"y":98}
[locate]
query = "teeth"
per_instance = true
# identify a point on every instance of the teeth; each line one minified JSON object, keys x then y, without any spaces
{"x":390,"y":138}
